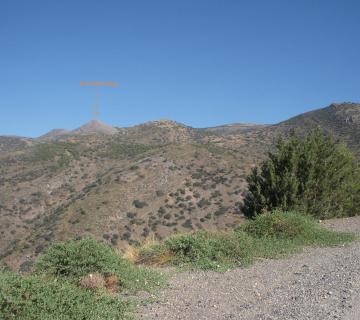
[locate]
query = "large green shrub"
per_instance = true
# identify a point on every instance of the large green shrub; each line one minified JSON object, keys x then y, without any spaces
{"x":280,"y":225}
{"x":313,"y":175}
{"x":280,"y":233}
{"x":77,"y":258}
{"x":34,"y":298}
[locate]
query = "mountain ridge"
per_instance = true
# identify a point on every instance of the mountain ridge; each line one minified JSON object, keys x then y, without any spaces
{"x":98,"y":126}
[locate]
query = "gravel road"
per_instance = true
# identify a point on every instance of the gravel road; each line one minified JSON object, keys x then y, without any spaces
{"x":319,"y":283}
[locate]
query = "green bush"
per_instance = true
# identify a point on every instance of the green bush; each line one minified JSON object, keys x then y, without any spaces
{"x":280,"y":225}
{"x":210,"y":250}
{"x":203,"y":203}
{"x":77,"y":258}
{"x":34,"y":297}
{"x":313,"y":175}
{"x":281,"y":233}
{"x":139,"y":204}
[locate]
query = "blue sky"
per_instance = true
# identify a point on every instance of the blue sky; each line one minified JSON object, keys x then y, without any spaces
{"x":203,"y":63}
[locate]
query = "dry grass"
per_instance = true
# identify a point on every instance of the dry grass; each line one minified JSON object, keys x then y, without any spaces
{"x":138,"y":255}
{"x":150,"y":242}
{"x":131,"y":254}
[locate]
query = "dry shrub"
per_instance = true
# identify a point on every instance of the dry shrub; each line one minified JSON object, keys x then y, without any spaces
{"x":162,"y":259}
{"x":112,"y":283}
{"x":136,"y":254}
{"x":108,"y":281}
{"x":151,"y":257}
{"x":93,"y":281}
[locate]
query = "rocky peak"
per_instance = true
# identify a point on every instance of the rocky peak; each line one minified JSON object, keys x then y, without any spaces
{"x":95,"y":126}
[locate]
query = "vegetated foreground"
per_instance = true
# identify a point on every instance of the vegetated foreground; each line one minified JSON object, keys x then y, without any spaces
{"x":86,"y":279}
{"x":320,"y":283}
{"x":78,"y":280}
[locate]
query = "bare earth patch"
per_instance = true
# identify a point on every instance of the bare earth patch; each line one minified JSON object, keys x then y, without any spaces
{"x":319,"y":283}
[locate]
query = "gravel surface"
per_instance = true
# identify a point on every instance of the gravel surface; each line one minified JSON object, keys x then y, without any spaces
{"x":319,"y":283}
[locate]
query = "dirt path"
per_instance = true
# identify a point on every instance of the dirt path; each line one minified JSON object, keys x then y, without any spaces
{"x":320,"y":283}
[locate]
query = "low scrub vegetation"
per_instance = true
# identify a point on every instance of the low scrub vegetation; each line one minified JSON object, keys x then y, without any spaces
{"x":77,"y":279}
{"x":48,"y":151}
{"x":200,"y":250}
{"x":121,"y":151}
{"x":81,"y":279}
{"x":288,"y":225}
{"x":75,"y":259}
{"x":36,"y":297}
{"x":267,"y":236}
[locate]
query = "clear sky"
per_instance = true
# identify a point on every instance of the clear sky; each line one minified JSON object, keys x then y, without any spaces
{"x":200,"y":62}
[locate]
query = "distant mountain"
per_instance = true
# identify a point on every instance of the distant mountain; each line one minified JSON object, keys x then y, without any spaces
{"x":342,"y":120}
{"x":124,"y":185}
{"x":95,"y":126}
{"x":332,"y":118}
{"x":92,"y":127}
{"x":161,"y":131}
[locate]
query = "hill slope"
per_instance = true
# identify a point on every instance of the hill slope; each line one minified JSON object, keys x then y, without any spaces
{"x":124,"y":185}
